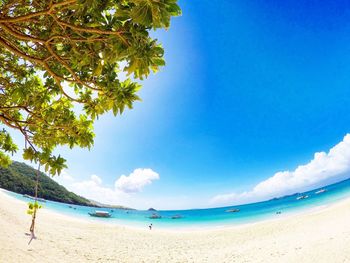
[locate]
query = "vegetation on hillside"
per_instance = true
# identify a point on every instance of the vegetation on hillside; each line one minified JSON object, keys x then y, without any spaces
{"x":20,"y":178}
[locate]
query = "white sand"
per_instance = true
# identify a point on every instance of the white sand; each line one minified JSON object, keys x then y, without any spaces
{"x":318,"y":236}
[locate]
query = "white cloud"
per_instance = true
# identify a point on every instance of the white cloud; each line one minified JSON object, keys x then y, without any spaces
{"x":64,"y":178}
{"x":138,"y":179}
{"x":93,"y":188}
{"x":97,"y":180}
{"x":322,"y":167}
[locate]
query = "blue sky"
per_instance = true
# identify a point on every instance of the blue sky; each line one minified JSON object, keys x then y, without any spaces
{"x":250,"y":88}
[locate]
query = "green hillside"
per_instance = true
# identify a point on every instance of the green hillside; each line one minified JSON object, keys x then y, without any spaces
{"x":20,"y":178}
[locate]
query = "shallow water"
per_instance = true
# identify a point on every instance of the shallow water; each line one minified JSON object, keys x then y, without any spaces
{"x":212,"y":217}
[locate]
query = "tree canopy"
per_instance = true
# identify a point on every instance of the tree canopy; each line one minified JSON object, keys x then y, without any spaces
{"x":60,"y":65}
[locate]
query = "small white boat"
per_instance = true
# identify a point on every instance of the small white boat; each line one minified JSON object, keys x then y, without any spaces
{"x":302,"y":197}
{"x":321,"y":191}
{"x":100,"y":214}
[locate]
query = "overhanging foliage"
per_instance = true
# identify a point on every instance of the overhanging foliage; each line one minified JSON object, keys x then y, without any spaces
{"x":56,"y":56}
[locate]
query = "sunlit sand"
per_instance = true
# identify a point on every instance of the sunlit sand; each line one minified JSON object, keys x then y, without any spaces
{"x":315,"y":236}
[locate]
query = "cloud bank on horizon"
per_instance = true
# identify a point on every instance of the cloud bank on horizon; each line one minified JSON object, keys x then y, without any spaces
{"x":124,"y":186}
{"x":324,"y":166}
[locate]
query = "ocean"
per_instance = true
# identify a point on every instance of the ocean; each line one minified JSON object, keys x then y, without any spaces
{"x":211,"y":217}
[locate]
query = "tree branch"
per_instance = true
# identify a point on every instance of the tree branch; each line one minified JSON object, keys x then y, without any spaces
{"x":5,"y":44}
{"x":35,"y":14}
{"x":94,"y":30}
{"x":77,"y":79}
{"x":12,"y":32}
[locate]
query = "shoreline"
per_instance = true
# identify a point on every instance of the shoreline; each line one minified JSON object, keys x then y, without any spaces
{"x":300,"y":212}
{"x":322,"y":235}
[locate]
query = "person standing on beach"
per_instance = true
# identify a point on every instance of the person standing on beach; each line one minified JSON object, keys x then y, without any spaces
{"x":150,"y":226}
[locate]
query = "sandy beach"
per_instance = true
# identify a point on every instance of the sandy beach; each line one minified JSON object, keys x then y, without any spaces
{"x":316,"y":236}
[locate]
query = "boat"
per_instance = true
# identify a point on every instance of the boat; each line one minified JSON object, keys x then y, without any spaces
{"x":100,"y":214}
{"x":155,"y":216}
{"x":302,"y":197}
{"x":176,"y":217}
{"x":235,"y":210}
{"x":33,"y":198}
{"x":321,"y":191}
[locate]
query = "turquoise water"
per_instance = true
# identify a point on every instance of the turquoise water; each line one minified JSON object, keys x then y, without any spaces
{"x":212,"y":217}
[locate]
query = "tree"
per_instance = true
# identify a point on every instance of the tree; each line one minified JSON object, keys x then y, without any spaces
{"x":60,"y":64}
